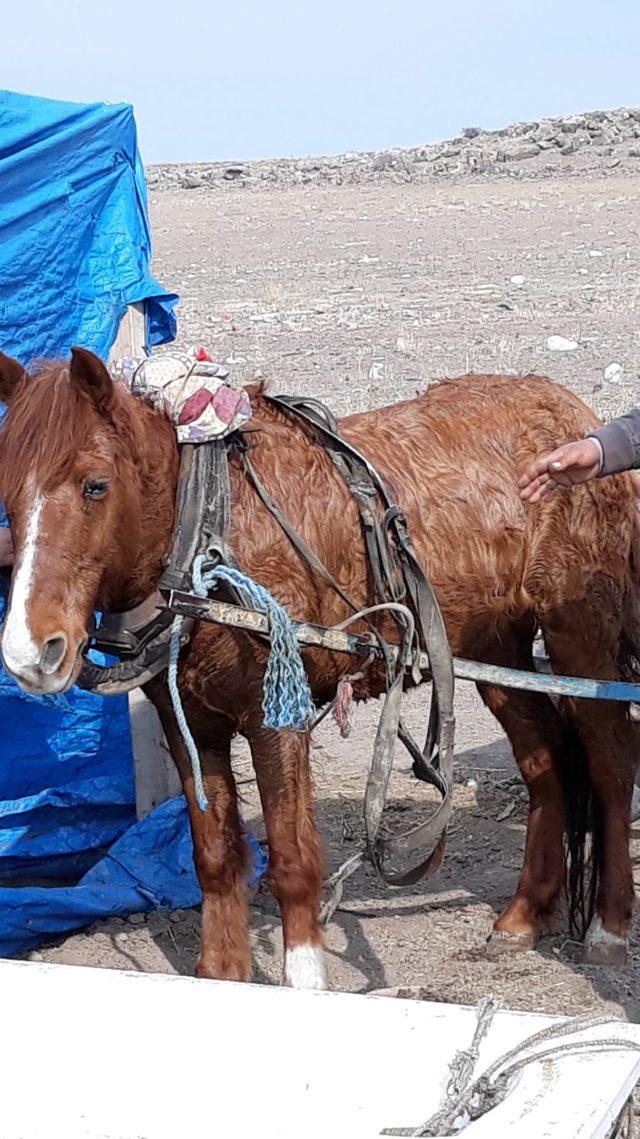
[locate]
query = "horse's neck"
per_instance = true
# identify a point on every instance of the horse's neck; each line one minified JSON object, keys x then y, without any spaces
{"x":150,"y":472}
{"x":145,"y":526}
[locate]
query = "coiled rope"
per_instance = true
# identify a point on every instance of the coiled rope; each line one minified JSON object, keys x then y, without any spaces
{"x":468,"y":1099}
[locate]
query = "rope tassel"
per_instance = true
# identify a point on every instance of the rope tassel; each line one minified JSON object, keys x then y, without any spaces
{"x":342,"y":707}
{"x":287,"y":701}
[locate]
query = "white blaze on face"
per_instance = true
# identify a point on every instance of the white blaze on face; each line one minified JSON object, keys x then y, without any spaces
{"x":19,"y":650}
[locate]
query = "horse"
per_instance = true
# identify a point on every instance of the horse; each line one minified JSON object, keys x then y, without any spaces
{"x":88,"y":474}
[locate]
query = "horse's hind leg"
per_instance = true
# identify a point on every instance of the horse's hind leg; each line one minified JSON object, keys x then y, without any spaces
{"x":535,"y":733}
{"x":583,"y":641}
{"x":281,"y":762}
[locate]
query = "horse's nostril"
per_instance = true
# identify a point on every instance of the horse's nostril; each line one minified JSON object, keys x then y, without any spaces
{"x":53,"y":653}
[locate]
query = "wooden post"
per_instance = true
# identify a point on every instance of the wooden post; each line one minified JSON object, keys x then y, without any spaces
{"x":131,"y":337}
{"x":155,"y":772}
{"x":156,"y":775}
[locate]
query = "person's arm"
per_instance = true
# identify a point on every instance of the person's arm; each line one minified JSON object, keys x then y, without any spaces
{"x":620,"y":442}
{"x":612,"y":448}
{"x":6,"y":547}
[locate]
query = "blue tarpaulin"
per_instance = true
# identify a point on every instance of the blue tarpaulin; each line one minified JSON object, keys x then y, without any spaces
{"x":75,"y":246}
{"x":75,"y":251}
{"x":149,"y":867}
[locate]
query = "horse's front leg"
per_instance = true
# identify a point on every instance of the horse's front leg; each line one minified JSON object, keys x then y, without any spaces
{"x":296,"y":865}
{"x":219,"y":850}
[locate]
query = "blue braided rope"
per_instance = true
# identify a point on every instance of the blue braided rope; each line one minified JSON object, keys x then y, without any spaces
{"x":189,"y":742}
{"x":287,"y":701}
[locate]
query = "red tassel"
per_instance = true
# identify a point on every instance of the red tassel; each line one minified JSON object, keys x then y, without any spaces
{"x":342,"y":707}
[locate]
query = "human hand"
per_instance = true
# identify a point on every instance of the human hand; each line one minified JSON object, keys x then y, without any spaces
{"x":571,"y":464}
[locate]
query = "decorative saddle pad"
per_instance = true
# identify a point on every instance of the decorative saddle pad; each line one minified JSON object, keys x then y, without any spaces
{"x":193,"y":392}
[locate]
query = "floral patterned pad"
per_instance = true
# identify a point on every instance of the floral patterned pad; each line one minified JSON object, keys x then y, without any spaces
{"x":192,"y":391}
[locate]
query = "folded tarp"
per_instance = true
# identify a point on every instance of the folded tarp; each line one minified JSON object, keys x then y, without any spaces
{"x":149,"y":868}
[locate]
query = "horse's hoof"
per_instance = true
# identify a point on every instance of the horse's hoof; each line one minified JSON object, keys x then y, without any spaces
{"x":602,"y":947}
{"x":213,"y":971}
{"x":501,"y":942}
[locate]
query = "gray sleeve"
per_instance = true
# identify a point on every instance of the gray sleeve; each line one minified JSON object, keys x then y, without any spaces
{"x":620,"y":442}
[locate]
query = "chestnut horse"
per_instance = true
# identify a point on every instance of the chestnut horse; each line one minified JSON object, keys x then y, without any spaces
{"x":88,"y":474}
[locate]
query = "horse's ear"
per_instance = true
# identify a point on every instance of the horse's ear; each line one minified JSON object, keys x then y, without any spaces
{"x":89,"y":375}
{"x":11,"y":376}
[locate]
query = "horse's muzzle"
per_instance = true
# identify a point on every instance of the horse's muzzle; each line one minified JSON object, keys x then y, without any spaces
{"x":53,"y":672}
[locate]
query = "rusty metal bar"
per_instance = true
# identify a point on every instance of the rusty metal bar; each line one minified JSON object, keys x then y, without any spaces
{"x":336,"y":640}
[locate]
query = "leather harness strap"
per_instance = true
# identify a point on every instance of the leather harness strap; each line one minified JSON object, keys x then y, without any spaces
{"x":297,"y":541}
{"x":396,"y":571}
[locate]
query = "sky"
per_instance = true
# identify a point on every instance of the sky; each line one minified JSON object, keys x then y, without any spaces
{"x":253,"y":79}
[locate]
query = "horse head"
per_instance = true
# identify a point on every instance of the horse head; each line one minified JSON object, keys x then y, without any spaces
{"x":87,"y":475}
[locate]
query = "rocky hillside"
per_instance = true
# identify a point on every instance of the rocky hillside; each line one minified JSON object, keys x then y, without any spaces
{"x":573,"y":144}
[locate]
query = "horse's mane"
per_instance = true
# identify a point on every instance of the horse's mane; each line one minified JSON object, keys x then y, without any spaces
{"x":49,"y":422}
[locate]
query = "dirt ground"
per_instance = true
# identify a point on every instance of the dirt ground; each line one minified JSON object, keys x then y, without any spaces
{"x":361,"y":295}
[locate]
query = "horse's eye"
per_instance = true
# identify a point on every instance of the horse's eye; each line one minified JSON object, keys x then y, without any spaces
{"x":94,"y":488}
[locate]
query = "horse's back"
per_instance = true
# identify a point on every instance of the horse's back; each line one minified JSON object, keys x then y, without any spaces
{"x":496,"y":421}
{"x":453,"y":457}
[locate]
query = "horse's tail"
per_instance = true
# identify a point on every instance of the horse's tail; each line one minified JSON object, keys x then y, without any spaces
{"x":583,"y":824}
